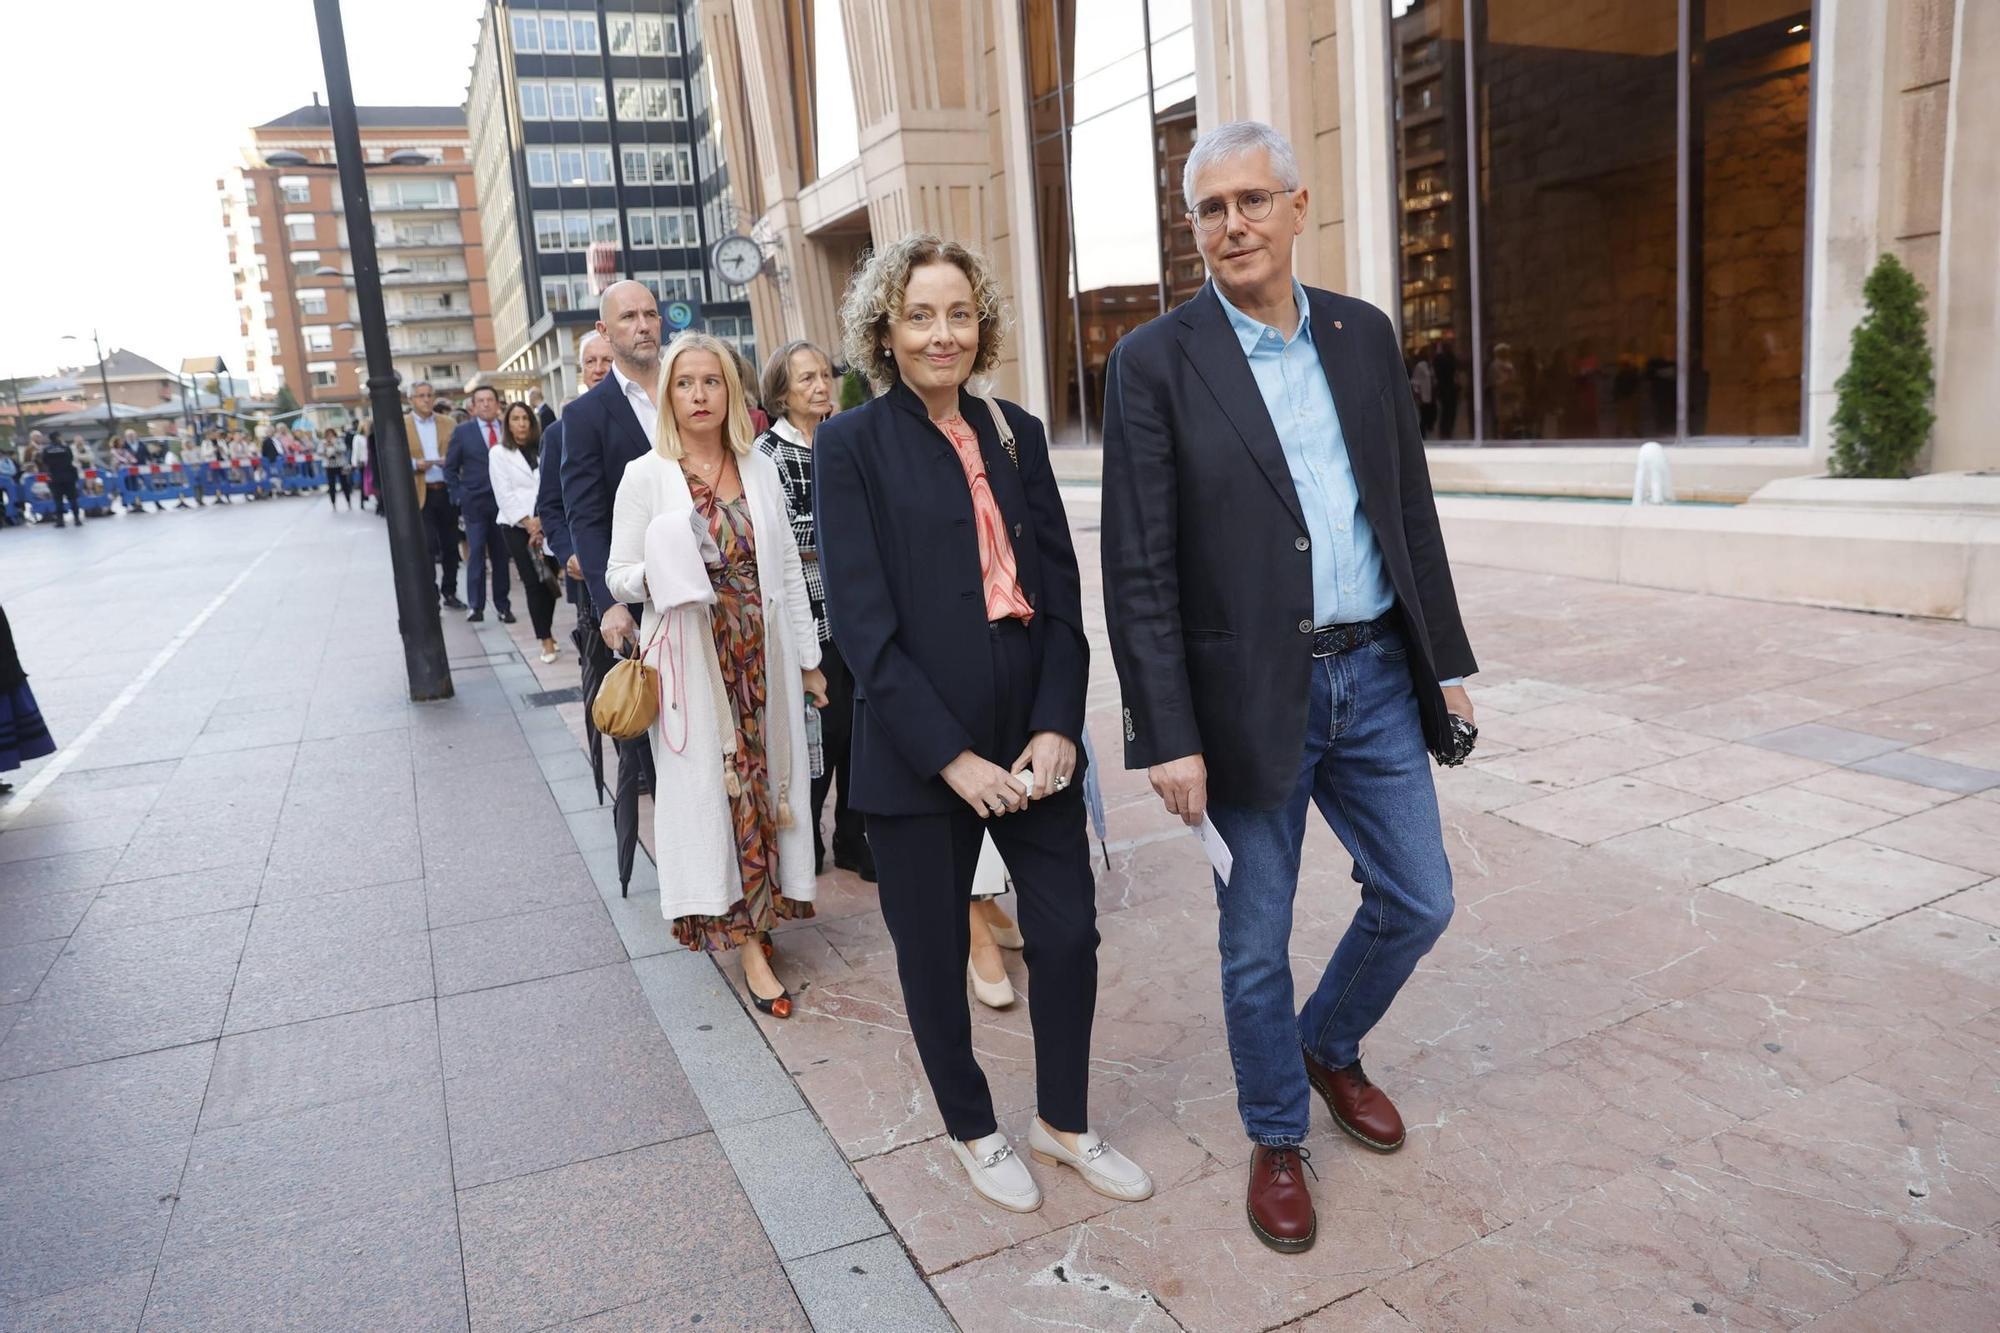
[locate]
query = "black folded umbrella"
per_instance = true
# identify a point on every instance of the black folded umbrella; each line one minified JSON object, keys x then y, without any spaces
{"x":592,"y":661}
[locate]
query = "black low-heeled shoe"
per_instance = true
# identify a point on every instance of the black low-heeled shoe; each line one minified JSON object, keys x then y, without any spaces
{"x":781,"y":1007}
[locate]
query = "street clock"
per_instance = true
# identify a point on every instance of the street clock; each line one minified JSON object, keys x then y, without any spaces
{"x":738,"y":259}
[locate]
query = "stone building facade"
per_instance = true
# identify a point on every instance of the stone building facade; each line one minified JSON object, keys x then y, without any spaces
{"x":1629,"y":219}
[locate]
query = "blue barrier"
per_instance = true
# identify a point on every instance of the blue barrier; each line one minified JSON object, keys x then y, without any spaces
{"x":300,"y":473}
{"x":157,"y":482}
{"x":93,"y":492}
{"x":241,"y":476}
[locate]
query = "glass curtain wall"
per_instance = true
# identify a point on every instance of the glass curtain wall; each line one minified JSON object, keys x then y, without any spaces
{"x":1111,"y":84}
{"x":1545,"y":225}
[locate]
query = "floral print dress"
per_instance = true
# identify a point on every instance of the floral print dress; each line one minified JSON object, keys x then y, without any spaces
{"x":738,"y":617}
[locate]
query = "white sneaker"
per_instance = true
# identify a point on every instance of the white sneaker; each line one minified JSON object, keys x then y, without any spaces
{"x":993,"y":994}
{"x":998,"y":1175}
{"x":1103,"y":1168}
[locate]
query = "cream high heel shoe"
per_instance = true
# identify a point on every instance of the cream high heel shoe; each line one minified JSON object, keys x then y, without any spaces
{"x":993,"y":994}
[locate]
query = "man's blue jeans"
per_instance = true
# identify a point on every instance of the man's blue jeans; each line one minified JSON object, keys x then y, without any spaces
{"x":1366,"y":768}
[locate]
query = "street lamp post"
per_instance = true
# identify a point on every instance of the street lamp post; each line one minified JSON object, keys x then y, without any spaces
{"x":416,"y":598}
{"x":103,"y":379}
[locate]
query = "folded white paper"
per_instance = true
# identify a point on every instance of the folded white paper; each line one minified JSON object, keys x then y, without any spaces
{"x":1025,"y":780}
{"x":1217,"y":849}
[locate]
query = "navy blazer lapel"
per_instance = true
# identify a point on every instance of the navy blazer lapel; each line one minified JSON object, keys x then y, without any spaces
{"x":1356,"y":394}
{"x":1211,"y":344}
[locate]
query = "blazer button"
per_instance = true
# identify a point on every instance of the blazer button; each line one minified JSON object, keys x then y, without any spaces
{"x":1305,"y":627}
{"x":1302,"y":543}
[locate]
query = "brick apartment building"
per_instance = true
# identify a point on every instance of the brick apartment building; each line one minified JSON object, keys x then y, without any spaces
{"x":289,"y":259}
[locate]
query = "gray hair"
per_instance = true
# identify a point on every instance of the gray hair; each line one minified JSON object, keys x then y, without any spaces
{"x":587,"y":338}
{"x":1233,"y":140}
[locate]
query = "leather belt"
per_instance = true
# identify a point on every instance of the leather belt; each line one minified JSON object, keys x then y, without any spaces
{"x":1333,"y":640}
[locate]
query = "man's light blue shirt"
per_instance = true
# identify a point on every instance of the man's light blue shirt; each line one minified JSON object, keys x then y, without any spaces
{"x":1350,"y":584}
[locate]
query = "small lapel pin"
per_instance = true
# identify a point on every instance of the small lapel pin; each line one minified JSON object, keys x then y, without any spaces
{"x":1336,"y":323}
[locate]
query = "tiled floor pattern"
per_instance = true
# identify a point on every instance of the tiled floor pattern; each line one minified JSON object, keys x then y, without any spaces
{"x":1714,"y":1040}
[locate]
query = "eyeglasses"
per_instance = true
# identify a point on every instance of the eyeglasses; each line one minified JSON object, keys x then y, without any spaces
{"x":1253,"y":205}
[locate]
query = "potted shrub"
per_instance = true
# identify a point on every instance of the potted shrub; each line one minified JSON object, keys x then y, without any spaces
{"x":1883,"y":416}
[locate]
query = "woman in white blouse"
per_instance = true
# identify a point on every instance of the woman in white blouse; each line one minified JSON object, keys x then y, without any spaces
{"x":700,"y":534}
{"x":514,"y":469}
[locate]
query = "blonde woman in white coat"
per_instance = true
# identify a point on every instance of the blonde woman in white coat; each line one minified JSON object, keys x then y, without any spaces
{"x":700,"y":535}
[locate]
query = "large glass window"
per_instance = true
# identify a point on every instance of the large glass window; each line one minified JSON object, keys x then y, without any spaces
{"x":624,"y":38}
{"x":634,"y":160}
{"x":555,"y":33}
{"x":1112,"y":115}
{"x":562,"y":100}
{"x":652,"y":36}
{"x":534,"y":100}
{"x":541,"y":166}
{"x":527,"y":36}
{"x":590,"y":99}
{"x":583,"y":32}
{"x":639,"y":225}
{"x":569,"y":166}
{"x":597,"y":164}
{"x":1556,"y":279}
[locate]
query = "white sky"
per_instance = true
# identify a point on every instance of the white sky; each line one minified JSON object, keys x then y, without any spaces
{"x":116,"y":120}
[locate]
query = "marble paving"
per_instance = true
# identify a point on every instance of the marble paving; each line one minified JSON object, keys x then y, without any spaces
{"x":1714,"y":1039}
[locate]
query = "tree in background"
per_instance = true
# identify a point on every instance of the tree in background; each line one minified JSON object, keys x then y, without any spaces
{"x":853,"y":390}
{"x":284,"y":406}
{"x":1884,"y":414}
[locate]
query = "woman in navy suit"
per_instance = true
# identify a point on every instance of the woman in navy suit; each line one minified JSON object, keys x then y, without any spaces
{"x":953,"y":593}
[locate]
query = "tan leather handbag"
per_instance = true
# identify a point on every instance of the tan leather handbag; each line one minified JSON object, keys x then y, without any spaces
{"x":628,"y":700}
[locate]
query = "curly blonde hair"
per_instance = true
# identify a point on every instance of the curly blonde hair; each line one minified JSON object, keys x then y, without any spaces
{"x":875,"y":296}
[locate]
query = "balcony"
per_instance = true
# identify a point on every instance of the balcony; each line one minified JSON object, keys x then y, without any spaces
{"x":421,"y":279}
{"x":429,"y":316}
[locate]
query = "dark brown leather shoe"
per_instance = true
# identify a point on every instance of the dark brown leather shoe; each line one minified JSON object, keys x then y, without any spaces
{"x":1358,"y":1106}
{"x":1280,"y":1206}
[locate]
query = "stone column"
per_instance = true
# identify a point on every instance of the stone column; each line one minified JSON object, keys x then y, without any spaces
{"x":1967,"y":299}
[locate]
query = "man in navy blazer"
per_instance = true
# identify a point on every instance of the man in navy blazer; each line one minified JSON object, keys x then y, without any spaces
{"x":603,"y":431}
{"x":593,"y":354}
{"x":465,"y":476}
{"x":1286,"y":633}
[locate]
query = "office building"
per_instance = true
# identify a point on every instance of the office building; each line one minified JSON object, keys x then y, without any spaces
{"x":293,"y":276}
{"x":595,"y":155}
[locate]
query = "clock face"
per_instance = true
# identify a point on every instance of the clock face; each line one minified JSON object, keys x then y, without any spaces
{"x":738,"y":258}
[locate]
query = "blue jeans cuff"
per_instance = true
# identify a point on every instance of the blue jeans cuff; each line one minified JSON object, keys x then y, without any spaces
{"x":1278,"y":1140}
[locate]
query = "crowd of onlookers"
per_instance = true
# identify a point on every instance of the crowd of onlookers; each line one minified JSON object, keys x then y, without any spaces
{"x":75,"y":470}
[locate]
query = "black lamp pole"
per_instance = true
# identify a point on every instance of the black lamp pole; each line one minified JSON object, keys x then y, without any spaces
{"x":416,"y":597}
{"x":104,"y":379}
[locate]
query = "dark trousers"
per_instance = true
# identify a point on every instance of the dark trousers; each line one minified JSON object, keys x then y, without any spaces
{"x":64,"y":493}
{"x":926,"y":863}
{"x":441,"y":535}
{"x":541,"y":597}
{"x":485,"y":544}
{"x":1447,"y":413}
{"x":836,"y":741}
{"x":339,"y":479}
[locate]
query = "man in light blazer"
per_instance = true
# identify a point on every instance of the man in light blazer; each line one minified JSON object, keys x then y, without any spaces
{"x":1286,"y":633}
{"x":429,"y":434}
{"x":472,"y":491}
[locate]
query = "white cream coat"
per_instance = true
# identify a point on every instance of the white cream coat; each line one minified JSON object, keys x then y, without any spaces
{"x":694,"y":837}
